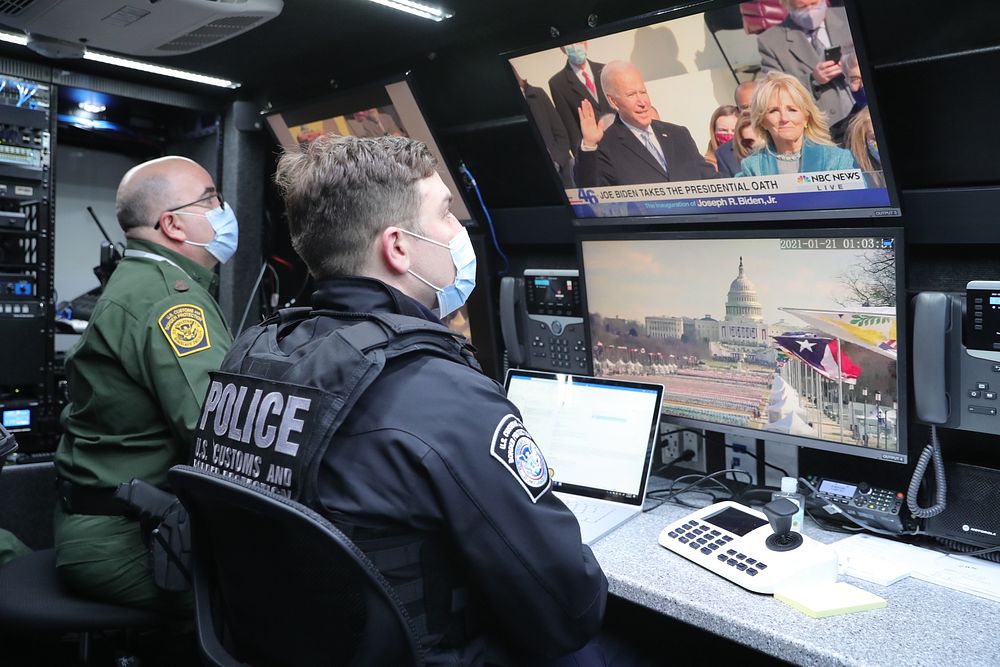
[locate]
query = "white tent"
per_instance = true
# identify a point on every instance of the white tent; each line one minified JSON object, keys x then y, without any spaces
{"x":792,"y":424}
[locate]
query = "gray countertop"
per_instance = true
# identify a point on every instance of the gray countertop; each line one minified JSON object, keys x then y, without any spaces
{"x":923,"y":624}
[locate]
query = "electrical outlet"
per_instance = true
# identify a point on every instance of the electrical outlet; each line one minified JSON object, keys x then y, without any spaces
{"x":677,"y":440}
{"x":738,"y":458}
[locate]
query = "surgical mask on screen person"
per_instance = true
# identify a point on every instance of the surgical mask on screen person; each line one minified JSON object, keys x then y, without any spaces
{"x":809,"y":18}
{"x":576,"y":54}
{"x":860,"y":97}
{"x":723,"y":137}
{"x":227,"y":232}
{"x":463,"y":257}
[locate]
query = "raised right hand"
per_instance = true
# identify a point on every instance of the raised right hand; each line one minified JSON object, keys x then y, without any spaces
{"x":591,"y":131}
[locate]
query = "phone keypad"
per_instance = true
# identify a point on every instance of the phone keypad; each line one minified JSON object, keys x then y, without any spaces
{"x":565,"y":352}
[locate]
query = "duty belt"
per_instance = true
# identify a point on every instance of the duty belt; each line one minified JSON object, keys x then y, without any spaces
{"x":76,"y":499}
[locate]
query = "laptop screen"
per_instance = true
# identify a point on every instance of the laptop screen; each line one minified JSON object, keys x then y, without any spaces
{"x":597,"y":434}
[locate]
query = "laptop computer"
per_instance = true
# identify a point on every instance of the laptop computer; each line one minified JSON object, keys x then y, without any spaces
{"x":598,"y":436}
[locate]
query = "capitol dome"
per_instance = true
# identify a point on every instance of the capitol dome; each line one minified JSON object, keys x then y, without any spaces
{"x":741,"y":302}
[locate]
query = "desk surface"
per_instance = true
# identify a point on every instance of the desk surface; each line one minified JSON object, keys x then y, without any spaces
{"x":923,"y":624}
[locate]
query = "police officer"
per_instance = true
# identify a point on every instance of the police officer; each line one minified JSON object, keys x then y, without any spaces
{"x":423,"y":472}
{"x":138,"y":374}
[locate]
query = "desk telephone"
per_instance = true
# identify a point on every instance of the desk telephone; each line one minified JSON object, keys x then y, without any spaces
{"x":956,"y":358}
{"x":756,"y":550}
{"x":541,"y":319}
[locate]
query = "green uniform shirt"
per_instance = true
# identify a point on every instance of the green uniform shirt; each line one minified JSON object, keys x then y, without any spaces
{"x":139,"y":373}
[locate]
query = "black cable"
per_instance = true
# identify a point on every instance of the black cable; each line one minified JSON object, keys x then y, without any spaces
{"x":931,"y":454}
{"x":671,"y":493}
{"x":764,"y":461}
{"x":253,"y":293}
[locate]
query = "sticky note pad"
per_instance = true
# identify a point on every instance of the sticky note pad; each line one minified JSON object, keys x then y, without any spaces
{"x":823,"y":600}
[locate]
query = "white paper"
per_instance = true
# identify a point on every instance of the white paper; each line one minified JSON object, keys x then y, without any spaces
{"x":963,"y":573}
{"x":879,"y":560}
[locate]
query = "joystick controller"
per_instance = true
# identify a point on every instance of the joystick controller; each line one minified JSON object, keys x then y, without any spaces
{"x":779,"y":514}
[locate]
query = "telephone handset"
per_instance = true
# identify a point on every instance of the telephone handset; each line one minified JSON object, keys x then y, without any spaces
{"x":541,"y":321}
{"x":956,"y":358}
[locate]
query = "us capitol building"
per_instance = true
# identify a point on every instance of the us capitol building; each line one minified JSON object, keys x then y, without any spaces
{"x":743,"y":333}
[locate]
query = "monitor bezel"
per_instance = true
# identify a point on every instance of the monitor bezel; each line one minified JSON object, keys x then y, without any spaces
{"x":902,"y":376}
{"x":891,"y":211}
{"x":335,"y":98}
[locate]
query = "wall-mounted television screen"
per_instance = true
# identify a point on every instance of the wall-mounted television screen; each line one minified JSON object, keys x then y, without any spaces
{"x":380,"y":109}
{"x":788,"y":336}
{"x":712,"y":112}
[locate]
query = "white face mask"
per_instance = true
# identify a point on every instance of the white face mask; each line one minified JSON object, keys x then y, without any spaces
{"x":463,"y":256}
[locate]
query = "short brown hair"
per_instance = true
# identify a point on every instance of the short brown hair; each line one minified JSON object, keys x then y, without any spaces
{"x":341,"y":192}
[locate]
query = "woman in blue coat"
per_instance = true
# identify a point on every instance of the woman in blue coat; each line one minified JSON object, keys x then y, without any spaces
{"x":792,"y":135}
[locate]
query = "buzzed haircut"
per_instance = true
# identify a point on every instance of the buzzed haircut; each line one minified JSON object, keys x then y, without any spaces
{"x":136,"y":205}
{"x":341,"y":192}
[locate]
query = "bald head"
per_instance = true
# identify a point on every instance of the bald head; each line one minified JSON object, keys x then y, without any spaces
{"x":159,"y":185}
{"x":744,"y":95}
{"x":626,"y":92}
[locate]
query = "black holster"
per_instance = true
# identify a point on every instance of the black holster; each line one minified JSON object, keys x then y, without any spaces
{"x":166,"y":531}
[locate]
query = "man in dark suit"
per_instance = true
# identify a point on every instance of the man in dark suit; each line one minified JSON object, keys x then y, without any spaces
{"x":551,"y":127}
{"x":635,"y":148}
{"x":798,"y":46}
{"x":579,"y":80}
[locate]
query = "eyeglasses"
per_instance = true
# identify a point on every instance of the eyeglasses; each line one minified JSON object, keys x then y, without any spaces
{"x":214,"y":195}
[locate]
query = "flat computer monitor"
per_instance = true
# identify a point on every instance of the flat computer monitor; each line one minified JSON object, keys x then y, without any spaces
{"x":380,"y":109}
{"x":786,"y":336}
{"x":664,"y":140}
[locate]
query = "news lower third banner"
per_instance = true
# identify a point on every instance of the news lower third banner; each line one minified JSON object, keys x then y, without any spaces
{"x":845,"y":188}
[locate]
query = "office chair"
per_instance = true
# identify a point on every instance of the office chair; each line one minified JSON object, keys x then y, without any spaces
{"x":34,"y":602}
{"x":277,"y":584}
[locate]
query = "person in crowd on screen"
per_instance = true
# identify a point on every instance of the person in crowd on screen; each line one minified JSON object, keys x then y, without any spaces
{"x":727,"y":160}
{"x":792,"y":133}
{"x":579,"y":80}
{"x":371,"y":123}
{"x":635,"y":148}
{"x":744,"y":95}
{"x":745,"y":139}
{"x":551,"y":127}
{"x":721,"y":129}
{"x":852,"y":70}
{"x":805,"y":45}
{"x":863,"y":145}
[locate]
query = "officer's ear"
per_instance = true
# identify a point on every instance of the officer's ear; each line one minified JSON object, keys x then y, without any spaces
{"x":394,"y":250}
{"x":171,"y":226}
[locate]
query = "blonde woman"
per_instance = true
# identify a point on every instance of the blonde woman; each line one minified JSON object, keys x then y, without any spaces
{"x":861,"y":141}
{"x":791,"y":131}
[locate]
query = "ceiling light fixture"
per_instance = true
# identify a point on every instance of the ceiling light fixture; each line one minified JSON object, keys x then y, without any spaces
{"x":417,"y":9}
{"x":118,"y":61}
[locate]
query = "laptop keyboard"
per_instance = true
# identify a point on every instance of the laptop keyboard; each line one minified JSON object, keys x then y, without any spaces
{"x":587,"y":512}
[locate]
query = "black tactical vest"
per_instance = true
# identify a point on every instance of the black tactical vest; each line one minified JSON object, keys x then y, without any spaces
{"x":285,"y":388}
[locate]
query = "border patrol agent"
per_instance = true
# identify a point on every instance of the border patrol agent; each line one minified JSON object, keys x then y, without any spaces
{"x":431,"y":472}
{"x":138,"y":374}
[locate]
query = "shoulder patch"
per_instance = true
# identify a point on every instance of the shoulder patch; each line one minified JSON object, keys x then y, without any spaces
{"x":185,"y":328}
{"x":513,"y":446}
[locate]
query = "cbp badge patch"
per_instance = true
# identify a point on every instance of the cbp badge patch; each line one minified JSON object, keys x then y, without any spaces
{"x":185,"y":328}
{"x":513,"y":447}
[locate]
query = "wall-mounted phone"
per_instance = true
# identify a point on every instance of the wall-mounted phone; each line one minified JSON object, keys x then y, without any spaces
{"x":541,"y":319}
{"x":956,"y":358}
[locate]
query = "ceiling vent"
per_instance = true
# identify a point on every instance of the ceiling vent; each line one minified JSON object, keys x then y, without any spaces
{"x":139,"y":27}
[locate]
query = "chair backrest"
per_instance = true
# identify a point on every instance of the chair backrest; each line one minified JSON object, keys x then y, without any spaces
{"x":278,"y":584}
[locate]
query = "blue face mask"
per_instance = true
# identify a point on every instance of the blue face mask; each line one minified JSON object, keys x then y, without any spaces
{"x":860,"y":97}
{"x":227,"y":232}
{"x":463,"y":256}
{"x":576,"y":54}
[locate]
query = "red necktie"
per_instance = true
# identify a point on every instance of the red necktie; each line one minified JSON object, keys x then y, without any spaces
{"x":590,"y":83}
